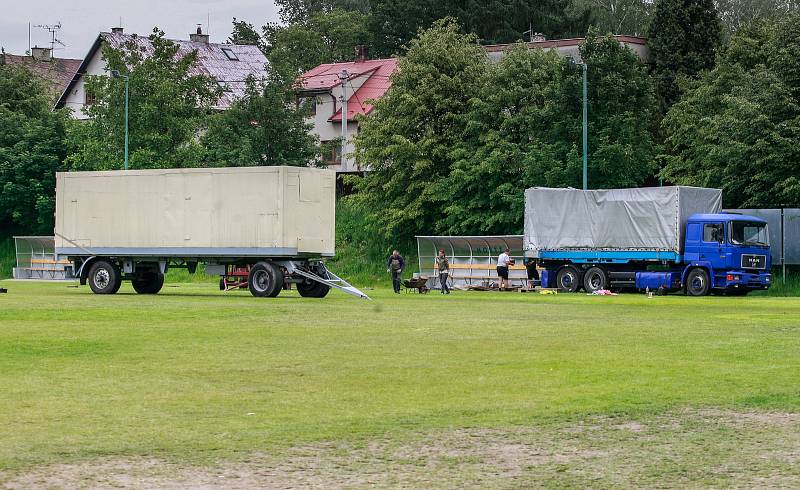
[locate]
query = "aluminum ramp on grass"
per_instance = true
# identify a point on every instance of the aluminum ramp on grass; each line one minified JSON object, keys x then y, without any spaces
{"x":332,"y":280}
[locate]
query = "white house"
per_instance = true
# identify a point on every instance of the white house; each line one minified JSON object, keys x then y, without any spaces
{"x":229,"y":64}
{"x":570,"y":47}
{"x":323,"y":87}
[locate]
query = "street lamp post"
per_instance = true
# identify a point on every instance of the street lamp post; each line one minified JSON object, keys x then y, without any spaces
{"x":585,"y":128}
{"x":117,"y":74}
{"x":584,"y":68}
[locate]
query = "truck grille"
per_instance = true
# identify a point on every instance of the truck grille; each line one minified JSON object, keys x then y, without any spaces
{"x":750,"y":261}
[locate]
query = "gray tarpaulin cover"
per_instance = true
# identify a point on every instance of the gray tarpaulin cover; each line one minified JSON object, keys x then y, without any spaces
{"x":648,"y":218}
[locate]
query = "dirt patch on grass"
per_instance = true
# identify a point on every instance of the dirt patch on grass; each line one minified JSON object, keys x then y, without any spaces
{"x":683,"y":448}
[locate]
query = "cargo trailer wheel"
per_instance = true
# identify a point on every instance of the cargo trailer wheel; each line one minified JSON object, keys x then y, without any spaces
{"x":697,"y":283}
{"x":595,"y":279}
{"x":104,"y":278}
{"x":148,"y":283}
{"x":313,"y":289}
{"x":265,"y":280}
{"x":568,"y":279}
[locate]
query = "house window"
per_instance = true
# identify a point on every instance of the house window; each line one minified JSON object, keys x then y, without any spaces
{"x":333,"y":155}
{"x":308,"y":104}
{"x":89,"y":98}
{"x":230,"y":54}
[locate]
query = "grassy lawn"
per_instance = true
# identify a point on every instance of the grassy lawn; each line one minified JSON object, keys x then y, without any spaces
{"x":198,"y":378}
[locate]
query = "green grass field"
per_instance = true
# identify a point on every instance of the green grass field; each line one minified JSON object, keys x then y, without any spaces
{"x":471,"y":389}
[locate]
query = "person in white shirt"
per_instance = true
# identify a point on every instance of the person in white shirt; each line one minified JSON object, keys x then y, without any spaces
{"x":503,"y":261}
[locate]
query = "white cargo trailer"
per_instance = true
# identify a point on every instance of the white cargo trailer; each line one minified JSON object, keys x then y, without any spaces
{"x":278,"y":222}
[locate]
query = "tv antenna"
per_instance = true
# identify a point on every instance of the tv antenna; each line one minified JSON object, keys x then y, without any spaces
{"x":52,"y":29}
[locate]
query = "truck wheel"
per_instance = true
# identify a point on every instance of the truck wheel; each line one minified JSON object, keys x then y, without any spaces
{"x":595,"y":279}
{"x":313,"y":289}
{"x":265,"y":280}
{"x":104,"y":278}
{"x":568,"y":279}
{"x":697,"y":282}
{"x":148,"y":283}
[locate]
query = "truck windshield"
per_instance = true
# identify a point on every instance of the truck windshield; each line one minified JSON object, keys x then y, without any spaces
{"x":745,"y":233}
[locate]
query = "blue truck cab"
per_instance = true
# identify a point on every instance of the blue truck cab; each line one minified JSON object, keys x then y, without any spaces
{"x":729,"y":251}
{"x":723,"y":253}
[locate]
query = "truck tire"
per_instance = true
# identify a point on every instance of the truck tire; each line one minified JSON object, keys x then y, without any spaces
{"x":595,"y":279}
{"x":313,"y":289}
{"x":104,"y":278}
{"x":148,"y":283}
{"x":265,"y":280}
{"x":697,"y":282}
{"x":568,"y":279}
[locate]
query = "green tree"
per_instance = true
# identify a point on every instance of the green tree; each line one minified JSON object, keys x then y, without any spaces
{"x":298,"y":11}
{"x":246,"y":33}
{"x":408,"y":140}
{"x":511,"y":142}
{"x":738,"y":127}
{"x":525,"y":130}
{"x":262,"y":128}
{"x":31,"y":151}
{"x":631,"y":17}
{"x":736,"y":14}
{"x":325,"y":37}
{"x":395,"y":22}
{"x":683,"y":39}
{"x":168,"y":106}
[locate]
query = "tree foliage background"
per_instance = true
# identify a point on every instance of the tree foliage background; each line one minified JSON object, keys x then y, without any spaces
{"x":457,"y":139}
{"x":31,"y":152}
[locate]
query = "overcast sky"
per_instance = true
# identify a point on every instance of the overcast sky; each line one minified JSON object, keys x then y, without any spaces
{"x":82,"y":20}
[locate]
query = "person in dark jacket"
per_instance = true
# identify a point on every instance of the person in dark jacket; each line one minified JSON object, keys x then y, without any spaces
{"x":533,"y":273}
{"x":443,"y":265}
{"x":395,"y":265}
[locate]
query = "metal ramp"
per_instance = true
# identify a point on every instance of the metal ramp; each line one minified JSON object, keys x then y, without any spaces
{"x":332,"y":280}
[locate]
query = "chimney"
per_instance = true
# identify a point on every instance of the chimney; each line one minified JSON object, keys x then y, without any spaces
{"x":361,"y":53}
{"x":116,"y":30}
{"x":199,"y":37}
{"x":41,"y":54}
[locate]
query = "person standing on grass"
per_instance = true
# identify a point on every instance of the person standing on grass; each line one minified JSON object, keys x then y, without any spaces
{"x":503,"y":261}
{"x":444,"y":271}
{"x":533,"y":272}
{"x":395,"y":265}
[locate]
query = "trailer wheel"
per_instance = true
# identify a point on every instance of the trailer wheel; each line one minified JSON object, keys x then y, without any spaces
{"x":265,"y":280}
{"x":104,"y":278}
{"x":313,"y":289}
{"x":697,"y":282}
{"x":568,"y":279}
{"x":148,"y":283}
{"x":595,"y":279}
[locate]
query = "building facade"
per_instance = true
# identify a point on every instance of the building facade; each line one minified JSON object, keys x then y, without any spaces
{"x":229,"y":64}
{"x":323,"y":87}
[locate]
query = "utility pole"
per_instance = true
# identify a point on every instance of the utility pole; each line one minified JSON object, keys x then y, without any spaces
{"x":344,"y":77}
{"x":585,"y":128}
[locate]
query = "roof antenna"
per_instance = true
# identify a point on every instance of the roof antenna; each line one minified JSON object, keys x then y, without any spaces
{"x":52,"y":29}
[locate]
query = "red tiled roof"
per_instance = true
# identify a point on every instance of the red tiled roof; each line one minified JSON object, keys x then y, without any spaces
{"x":325,"y":77}
{"x":56,"y":72}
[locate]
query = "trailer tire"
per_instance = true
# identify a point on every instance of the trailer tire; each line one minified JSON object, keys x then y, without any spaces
{"x":595,"y":279}
{"x":697,"y":282}
{"x":568,"y":279}
{"x":313,"y":289}
{"x":265,"y":280}
{"x":148,"y":283}
{"x":104,"y":277}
